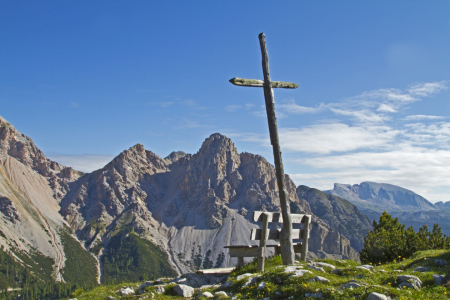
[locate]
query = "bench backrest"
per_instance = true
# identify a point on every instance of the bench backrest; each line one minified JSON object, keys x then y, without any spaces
{"x":276,"y":217}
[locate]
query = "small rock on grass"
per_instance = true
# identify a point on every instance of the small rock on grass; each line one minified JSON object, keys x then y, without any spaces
{"x":421,"y":269}
{"x":351,"y":284}
{"x":183,"y":290}
{"x":221,"y":293}
{"x":206,"y":295}
{"x":243,"y":276}
{"x":376,"y":296}
{"x":405,"y":284}
{"x":300,"y":273}
{"x":160,"y":289}
{"x":205,"y":286}
{"x":227,"y":284}
{"x":109,"y":298}
{"x":322,"y":264}
{"x":321,"y":279}
{"x":440,"y":262}
{"x":370,"y":267}
{"x":439,"y":279}
{"x":145,"y":284}
{"x":127,"y":291}
{"x":316,"y":268}
{"x":261,"y":286}
{"x":410,"y":278}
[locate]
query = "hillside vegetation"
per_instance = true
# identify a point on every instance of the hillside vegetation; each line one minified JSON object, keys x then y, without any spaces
{"x":129,"y":257}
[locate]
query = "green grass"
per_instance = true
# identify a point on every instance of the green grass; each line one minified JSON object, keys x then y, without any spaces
{"x":375,"y":281}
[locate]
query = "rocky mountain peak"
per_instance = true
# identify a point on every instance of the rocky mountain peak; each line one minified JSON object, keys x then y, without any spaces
{"x":19,"y":146}
{"x":218,"y":155}
{"x":175,"y":155}
{"x":136,"y":161}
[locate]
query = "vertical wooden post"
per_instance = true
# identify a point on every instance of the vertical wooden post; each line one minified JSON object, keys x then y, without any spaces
{"x":286,"y":244}
{"x":263,"y":241}
{"x":306,"y":221}
{"x":240,"y":261}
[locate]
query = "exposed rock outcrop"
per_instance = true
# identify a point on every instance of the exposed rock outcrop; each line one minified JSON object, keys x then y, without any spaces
{"x":17,"y":145}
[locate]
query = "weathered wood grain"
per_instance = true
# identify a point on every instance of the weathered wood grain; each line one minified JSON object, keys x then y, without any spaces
{"x":264,"y":231}
{"x":305,"y":236}
{"x":216,"y":271}
{"x":260,"y":83}
{"x":274,"y":234}
{"x":277,"y":217}
{"x":287,"y":250}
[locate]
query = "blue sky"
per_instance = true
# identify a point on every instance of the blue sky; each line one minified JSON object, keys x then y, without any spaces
{"x":89,"y":79}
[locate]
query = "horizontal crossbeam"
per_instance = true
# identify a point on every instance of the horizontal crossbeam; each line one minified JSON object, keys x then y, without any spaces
{"x":277,"y":217}
{"x":274,"y":234}
{"x":260,"y":83}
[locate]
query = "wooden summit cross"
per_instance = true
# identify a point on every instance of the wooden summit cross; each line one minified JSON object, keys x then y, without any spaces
{"x":286,"y":244}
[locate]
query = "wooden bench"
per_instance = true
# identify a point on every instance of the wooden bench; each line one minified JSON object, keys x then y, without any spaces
{"x":264,"y":234}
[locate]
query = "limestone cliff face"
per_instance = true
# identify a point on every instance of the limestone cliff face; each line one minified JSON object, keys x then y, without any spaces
{"x":17,"y":145}
{"x":191,"y":206}
{"x":29,"y":213}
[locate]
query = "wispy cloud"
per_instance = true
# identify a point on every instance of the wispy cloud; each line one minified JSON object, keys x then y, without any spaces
{"x":290,"y":107}
{"x":84,"y":162}
{"x":365,"y":115}
{"x":386,"y":108}
{"x":336,"y":137}
{"x":422,"y":117}
{"x":74,"y":104}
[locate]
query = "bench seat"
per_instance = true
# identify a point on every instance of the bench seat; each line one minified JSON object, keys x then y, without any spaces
{"x":264,"y":234}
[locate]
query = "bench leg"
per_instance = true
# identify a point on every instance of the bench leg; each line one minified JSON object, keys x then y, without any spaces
{"x":261,"y":264}
{"x":306,"y":221}
{"x":263,"y":241}
{"x":240,"y":261}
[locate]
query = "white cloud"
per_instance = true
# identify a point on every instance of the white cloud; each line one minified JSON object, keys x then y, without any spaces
{"x":386,"y":108}
{"x":427,"y":89}
{"x":422,"y":117}
{"x":401,"y":97}
{"x":336,"y":137}
{"x":365,"y":115}
{"x":84,"y":163}
{"x":293,"y":108}
{"x":436,"y":135}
